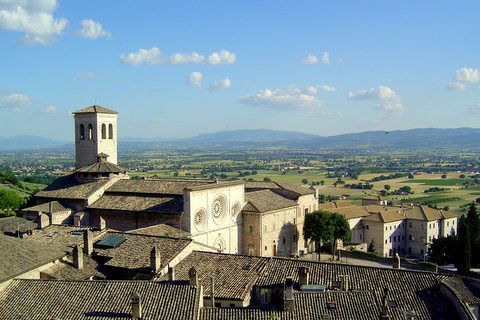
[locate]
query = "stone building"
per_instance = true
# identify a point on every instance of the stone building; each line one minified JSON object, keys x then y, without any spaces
{"x":231,"y":216}
{"x":403,"y":229}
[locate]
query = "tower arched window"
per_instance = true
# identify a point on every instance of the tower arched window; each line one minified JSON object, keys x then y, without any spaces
{"x":90,"y":131}
{"x":104,"y":131}
{"x":110,"y":131}
{"x":82,"y":132}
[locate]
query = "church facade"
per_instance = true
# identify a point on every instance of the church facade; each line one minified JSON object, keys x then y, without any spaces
{"x":254,"y":218}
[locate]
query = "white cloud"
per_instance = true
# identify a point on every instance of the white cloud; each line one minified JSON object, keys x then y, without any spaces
{"x":459,"y":86}
{"x":149,"y":56}
{"x":195,"y":79}
{"x":154,"y":56}
{"x":221,"y":84}
{"x":32,"y":17}
{"x":93,"y":30}
{"x":389,"y":100}
{"x":467,"y":75}
{"x":475,"y":109}
{"x":310,"y":59}
{"x":50,"y":109}
{"x":179,"y":58}
{"x":281,"y":99}
{"x":14,"y":99}
{"x":84,"y":76}
{"x":222,"y":57}
{"x":325,"y":57}
{"x":316,"y":89}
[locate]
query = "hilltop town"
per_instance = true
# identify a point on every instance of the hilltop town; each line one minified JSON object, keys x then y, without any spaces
{"x":118,"y":245}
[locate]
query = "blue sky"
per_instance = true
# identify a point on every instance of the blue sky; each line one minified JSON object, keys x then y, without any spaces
{"x":180,"y":68}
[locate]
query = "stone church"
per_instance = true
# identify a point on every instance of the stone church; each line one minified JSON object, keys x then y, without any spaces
{"x":254,"y":218}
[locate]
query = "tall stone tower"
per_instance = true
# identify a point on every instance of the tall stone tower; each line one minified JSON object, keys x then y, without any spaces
{"x":95,"y":132}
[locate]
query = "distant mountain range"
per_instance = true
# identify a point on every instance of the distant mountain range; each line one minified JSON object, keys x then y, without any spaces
{"x":398,"y":139}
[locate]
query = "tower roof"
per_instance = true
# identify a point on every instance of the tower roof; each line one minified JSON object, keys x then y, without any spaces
{"x":102,"y":166}
{"x":95,"y":109}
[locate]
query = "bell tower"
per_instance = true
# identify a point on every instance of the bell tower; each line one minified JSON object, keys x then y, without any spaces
{"x":95,"y":132}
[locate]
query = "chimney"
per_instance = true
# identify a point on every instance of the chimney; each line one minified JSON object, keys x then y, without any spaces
{"x":102,"y":224}
{"x":193,"y":277}
{"x":87,"y":242}
{"x":43,"y":221}
{"x":384,"y":312}
{"x":288,"y":302}
{"x":77,"y":257}
{"x":303,"y":276}
{"x":344,"y":282}
{"x":136,"y":305}
{"x":155,"y":259}
{"x":212,"y":291}
{"x":171,"y":273}
{"x":50,"y":212}
{"x":396,"y":261}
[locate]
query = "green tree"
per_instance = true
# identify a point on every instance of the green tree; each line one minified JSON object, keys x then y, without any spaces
{"x":267,"y":179}
{"x":444,"y":176}
{"x":473,"y":222}
{"x":462,"y":176}
{"x":464,"y":251}
{"x":10,"y":200}
{"x":317,"y":226}
{"x":442,"y":250}
{"x":387,"y":187}
{"x":324,"y":226}
{"x":322,"y":182}
{"x":371,"y":247}
{"x":304,"y":181}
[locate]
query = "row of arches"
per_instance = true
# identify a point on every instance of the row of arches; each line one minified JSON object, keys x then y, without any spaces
{"x":89,"y":133}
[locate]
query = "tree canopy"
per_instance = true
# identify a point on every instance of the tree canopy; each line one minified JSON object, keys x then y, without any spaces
{"x":473,"y":222}
{"x":324,"y":226}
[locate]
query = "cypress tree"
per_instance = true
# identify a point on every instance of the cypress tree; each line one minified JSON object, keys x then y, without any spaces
{"x":473,"y":222}
{"x":464,"y":249}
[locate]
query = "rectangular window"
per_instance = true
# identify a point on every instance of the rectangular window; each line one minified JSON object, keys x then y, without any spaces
{"x":386,"y":228}
{"x":390,"y":227}
{"x":294,"y":221}
{"x":390,"y":239}
{"x":284,"y":240}
{"x":294,"y":238}
{"x":250,"y":229}
{"x":367,"y":226}
{"x":448,"y":223}
{"x":385,"y":241}
{"x":266,"y":248}
{"x":409,"y":237}
{"x":306,"y":210}
{"x":395,"y":239}
{"x":395,"y":227}
{"x":409,"y":224}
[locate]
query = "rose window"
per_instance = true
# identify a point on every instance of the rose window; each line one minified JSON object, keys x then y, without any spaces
{"x":200,"y":219}
{"x":219,"y":207}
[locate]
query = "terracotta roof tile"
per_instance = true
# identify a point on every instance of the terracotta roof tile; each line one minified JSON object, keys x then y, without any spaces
{"x":95,"y":109}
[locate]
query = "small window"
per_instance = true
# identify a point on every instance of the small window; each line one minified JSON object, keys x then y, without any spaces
{"x":453,"y":222}
{"x":409,"y":237}
{"x":294,"y":237}
{"x":284,"y":240}
{"x":386,"y":228}
{"x":367,"y":226}
{"x":390,"y":227}
{"x":250,"y":229}
{"x":110,"y":131}
{"x":265,"y":228}
{"x":82,"y":132}
{"x":266,"y":248}
{"x":448,"y":223}
{"x":409,"y":224}
{"x":386,"y":241}
{"x":90,"y":131}
{"x":294,"y":221}
{"x":306,"y":210}
{"x":395,"y":227}
{"x":390,"y":239}
{"x":395,"y":239}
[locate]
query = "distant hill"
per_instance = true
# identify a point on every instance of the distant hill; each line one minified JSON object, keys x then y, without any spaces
{"x":251,"y":135}
{"x":428,"y":138}
{"x":28,"y":142}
